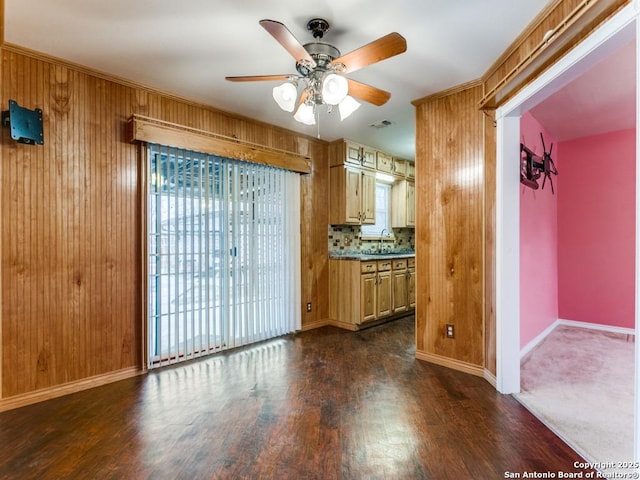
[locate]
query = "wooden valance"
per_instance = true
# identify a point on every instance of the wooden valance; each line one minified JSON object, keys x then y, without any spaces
{"x":150,"y":130}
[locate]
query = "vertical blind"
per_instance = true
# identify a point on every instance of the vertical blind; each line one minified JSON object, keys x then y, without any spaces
{"x":224,"y":253}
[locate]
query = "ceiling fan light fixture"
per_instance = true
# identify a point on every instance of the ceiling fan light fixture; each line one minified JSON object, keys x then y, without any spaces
{"x":334,"y":89}
{"x":285,"y":96}
{"x":347,"y":107}
{"x":306,"y":114}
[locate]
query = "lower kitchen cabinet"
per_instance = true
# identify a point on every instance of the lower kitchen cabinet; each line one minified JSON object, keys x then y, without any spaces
{"x":411,"y":283}
{"x":364,"y":291}
{"x":400,"y":290}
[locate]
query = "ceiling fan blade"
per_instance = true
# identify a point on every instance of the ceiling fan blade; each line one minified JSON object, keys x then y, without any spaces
{"x":368,"y":93}
{"x":285,"y":38}
{"x":258,"y":78}
{"x":303,"y":98}
{"x":376,"y":51}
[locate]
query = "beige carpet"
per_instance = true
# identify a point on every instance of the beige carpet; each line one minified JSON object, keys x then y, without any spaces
{"x":579,"y":382}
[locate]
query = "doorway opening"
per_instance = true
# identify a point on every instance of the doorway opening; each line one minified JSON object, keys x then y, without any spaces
{"x":611,"y":37}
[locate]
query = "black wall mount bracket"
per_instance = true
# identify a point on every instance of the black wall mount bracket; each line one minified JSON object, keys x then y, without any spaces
{"x":25,"y":124}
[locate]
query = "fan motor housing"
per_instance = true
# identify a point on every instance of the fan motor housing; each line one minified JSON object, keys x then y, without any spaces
{"x":322,"y":53}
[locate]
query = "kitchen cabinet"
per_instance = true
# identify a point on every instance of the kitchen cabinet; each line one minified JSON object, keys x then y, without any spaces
{"x":368,"y":157}
{"x":411,"y":170}
{"x":368,"y":296}
{"x":346,"y":152}
{"x":399,"y":167}
{"x":384,"y":162}
{"x":364,"y":291}
{"x":384,"y":290}
{"x":400,"y":284}
{"x":403,"y":204}
{"x":352,"y":196}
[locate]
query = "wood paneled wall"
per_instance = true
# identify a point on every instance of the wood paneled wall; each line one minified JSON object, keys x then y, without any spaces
{"x":489,"y":243}
{"x":458,"y":226}
{"x":71,"y":248}
{"x":449,"y":227}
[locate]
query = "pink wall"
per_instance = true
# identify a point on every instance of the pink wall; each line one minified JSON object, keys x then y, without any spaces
{"x":596,"y":230}
{"x":538,"y":241}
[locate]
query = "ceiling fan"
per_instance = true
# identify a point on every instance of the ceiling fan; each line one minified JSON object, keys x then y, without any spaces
{"x":322,"y":69}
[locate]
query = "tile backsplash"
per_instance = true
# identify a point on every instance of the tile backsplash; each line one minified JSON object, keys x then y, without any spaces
{"x":347,"y":238}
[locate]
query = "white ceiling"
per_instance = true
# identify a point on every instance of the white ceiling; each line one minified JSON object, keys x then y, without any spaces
{"x":187,"y":48}
{"x":600,"y":100}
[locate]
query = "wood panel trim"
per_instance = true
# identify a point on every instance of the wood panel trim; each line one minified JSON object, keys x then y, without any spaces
{"x":143,"y":188}
{"x":491,"y":378}
{"x":314,"y":325}
{"x":146,"y":129}
{"x":557,"y":42}
{"x":67,"y":388}
{"x":452,"y":363}
{"x":347,"y":326}
{"x":450,"y":91}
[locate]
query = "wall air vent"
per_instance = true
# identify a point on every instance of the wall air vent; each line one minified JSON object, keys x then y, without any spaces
{"x":380,"y":124}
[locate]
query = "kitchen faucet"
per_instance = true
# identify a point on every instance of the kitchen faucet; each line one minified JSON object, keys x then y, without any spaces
{"x":381,"y":236}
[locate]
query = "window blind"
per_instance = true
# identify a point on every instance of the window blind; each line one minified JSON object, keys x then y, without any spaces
{"x":224,"y":253}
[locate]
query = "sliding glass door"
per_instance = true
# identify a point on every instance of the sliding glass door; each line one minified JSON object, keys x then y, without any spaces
{"x":224,"y":253}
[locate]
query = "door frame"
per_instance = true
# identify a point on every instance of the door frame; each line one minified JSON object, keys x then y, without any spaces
{"x":595,"y":47}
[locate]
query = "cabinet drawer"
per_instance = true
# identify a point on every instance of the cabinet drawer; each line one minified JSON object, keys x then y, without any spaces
{"x":400,"y":264}
{"x":411,"y":262}
{"x":384,"y":265}
{"x":366,"y":267}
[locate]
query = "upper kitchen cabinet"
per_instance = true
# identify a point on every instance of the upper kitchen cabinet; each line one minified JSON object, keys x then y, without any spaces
{"x":411,"y":170}
{"x":346,"y":152}
{"x":384,"y":162}
{"x":399,"y":167}
{"x":403,"y":204}
{"x":353,"y":196}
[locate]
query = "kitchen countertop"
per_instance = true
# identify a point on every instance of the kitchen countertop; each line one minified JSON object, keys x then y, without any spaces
{"x":370,"y":256}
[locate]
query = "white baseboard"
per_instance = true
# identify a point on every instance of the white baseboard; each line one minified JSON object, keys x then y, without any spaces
{"x":597,"y":326}
{"x":541,"y":336}
{"x":573,"y":323}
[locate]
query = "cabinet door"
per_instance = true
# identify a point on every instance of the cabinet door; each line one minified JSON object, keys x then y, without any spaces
{"x":411,"y":288}
{"x":403,"y":204}
{"x":368,"y":296}
{"x":353,"y":154}
{"x":411,"y":204}
{"x":399,"y":167}
{"x":399,"y":291}
{"x":384,"y":294}
{"x":368,"y":183}
{"x":384,"y":162}
{"x":353,"y":194}
{"x":368,"y":157}
{"x":411,"y":170}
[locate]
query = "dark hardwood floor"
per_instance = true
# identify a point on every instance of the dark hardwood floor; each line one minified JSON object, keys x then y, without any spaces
{"x":324,"y":404}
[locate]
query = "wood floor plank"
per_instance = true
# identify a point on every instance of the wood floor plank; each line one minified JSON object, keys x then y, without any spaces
{"x":322,"y":404}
